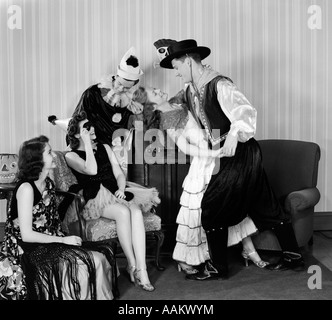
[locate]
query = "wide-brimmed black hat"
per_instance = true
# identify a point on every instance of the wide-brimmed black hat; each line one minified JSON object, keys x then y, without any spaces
{"x":181,"y":48}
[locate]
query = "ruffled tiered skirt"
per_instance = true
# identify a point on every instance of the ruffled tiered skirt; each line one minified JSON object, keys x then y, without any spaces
{"x":191,"y":243}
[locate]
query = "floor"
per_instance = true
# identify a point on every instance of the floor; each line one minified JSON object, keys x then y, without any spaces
{"x":262,"y":281}
{"x":322,"y":247}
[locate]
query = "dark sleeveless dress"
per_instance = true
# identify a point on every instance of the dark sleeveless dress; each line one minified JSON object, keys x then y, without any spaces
{"x":105,"y":176}
{"x":99,"y":189}
{"x":43,"y":270}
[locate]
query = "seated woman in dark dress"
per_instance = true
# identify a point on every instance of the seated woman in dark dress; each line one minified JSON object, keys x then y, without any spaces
{"x":103,"y":182}
{"x":54,"y":266}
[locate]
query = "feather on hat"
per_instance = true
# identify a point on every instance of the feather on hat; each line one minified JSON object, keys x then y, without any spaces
{"x":162,"y":47}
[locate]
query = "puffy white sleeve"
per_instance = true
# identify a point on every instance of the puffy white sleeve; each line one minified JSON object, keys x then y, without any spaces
{"x":238,"y":110}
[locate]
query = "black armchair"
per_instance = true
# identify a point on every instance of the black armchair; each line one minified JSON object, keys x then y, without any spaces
{"x":292,"y":169}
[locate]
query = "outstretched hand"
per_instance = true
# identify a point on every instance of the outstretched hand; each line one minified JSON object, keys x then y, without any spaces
{"x":73,"y":240}
{"x":135,"y":107}
{"x":230,"y":145}
{"x":120,"y":194}
{"x":228,"y":149}
{"x":218,"y":153}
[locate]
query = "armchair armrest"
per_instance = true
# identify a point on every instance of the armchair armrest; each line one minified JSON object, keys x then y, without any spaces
{"x":302,"y":199}
{"x":79,"y":203}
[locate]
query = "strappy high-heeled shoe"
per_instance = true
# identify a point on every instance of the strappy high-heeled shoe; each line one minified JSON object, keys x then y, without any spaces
{"x":138,"y":281}
{"x":131,"y":271}
{"x":186,"y":269}
{"x":247,"y":257}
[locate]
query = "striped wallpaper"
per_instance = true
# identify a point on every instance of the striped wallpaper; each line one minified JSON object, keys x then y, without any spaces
{"x":276,"y":51}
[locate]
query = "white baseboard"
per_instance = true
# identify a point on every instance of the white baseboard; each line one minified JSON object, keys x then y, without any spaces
{"x":323,"y":220}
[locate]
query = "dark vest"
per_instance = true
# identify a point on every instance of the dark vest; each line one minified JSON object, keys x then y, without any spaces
{"x":212,"y":118}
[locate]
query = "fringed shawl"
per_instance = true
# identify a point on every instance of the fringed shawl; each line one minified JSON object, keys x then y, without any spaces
{"x":43,"y":264}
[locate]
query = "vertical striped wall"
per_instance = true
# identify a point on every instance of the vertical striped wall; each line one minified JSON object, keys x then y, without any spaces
{"x":266,"y":47}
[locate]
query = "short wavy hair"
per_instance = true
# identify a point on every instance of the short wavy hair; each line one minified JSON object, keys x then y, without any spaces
{"x":74,"y":128}
{"x":151,"y":117}
{"x":30,"y":158}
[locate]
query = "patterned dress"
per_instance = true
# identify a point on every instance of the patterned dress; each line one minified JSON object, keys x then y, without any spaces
{"x":44,"y":261}
{"x":191,"y":244}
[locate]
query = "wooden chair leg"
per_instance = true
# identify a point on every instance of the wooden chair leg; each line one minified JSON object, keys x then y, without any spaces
{"x":159,"y":238}
{"x":115,"y":289}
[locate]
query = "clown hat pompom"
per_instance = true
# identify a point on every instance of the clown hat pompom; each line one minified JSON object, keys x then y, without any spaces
{"x":129,"y":66}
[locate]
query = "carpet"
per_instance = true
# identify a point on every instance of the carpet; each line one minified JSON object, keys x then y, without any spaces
{"x":244,"y":283}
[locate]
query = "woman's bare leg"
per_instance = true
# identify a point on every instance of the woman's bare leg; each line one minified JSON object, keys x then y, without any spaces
{"x":138,"y":236}
{"x":121,"y":214}
{"x":249,"y":248}
{"x":139,"y":241}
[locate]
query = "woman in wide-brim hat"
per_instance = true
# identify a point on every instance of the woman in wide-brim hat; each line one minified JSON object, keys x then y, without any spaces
{"x":240,"y":187}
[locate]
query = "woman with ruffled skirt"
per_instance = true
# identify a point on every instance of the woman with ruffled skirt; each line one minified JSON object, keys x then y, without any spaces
{"x":191,"y":249}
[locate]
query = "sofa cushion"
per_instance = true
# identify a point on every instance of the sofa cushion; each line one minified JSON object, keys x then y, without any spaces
{"x":62,"y":175}
{"x":103,"y":228}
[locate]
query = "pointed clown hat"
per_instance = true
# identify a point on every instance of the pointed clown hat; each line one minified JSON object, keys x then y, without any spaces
{"x":129,"y":66}
{"x":162,"y":47}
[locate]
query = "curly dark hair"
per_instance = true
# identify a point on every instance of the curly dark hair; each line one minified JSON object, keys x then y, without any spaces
{"x":151,"y":117}
{"x":30,"y":158}
{"x":73,"y":128}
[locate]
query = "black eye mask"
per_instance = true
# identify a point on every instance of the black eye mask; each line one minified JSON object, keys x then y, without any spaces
{"x":87,"y":125}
